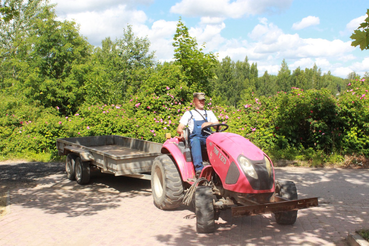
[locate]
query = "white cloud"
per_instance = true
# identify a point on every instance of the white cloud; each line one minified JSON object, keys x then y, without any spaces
{"x":323,"y":48}
{"x":209,"y":34}
{"x":306,"y":22}
{"x":161,"y":38}
{"x":269,"y":45}
{"x":323,"y":63}
{"x":353,"y":25}
{"x":302,"y":63}
{"x":100,"y":24}
{"x":211,"y":20}
{"x":361,"y":67}
{"x":225,"y":8}
{"x":342,"y":71}
{"x":265,"y":33}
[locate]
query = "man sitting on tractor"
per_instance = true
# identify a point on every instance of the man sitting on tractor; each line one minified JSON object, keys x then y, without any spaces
{"x":196,"y":120}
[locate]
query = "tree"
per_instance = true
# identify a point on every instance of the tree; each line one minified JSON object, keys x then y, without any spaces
{"x":353,"y":75}
{"x":245,"y":84}
{"x":13,"y":39}
{"x":124,"y":61}
{"x":267,"y":85}
{"x":196,"y":65}
{"x":224,"y":86}
{"x":316,"y":79}
{"x":42,"y":59}
{"x":366,"y":76}
{"x":361,"y":34}
{"x":298,"y":79}
{"x":283,"y":78}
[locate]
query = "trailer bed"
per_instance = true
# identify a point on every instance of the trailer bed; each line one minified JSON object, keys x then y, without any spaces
{"x":113,"y":154}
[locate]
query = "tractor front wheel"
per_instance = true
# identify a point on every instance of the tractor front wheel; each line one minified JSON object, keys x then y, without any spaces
{"x":286,"y":190}
{"x":166,"y":183}
{"x":204,"y":208}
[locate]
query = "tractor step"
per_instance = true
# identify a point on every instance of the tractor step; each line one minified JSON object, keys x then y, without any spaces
{"x":278,"y":206}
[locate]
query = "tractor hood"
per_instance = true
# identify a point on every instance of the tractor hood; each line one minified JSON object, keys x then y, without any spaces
{"x":234,"y":145}
{"x":241,"y":165}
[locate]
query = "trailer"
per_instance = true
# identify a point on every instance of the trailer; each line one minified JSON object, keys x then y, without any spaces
{"x":117,"y":155}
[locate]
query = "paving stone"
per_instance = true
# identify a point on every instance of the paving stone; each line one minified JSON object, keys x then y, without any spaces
{"x":50,"y":210}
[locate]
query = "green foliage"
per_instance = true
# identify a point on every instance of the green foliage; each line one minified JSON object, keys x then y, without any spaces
{"x":119,"y":67}
{"x":266,"y":85}
{"x":308,"y":118}
{"x":196,"y":65}
{"x":361,"y":34}
{"x":234,"y":81}
{"x":353,"y":114}
{"x":283,"y":79}
{"x":42,"y":57}
{"x":7,"y":11}
{"x":364,"y":233}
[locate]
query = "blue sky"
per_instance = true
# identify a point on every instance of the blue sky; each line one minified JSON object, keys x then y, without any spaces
{"x":303,"y":32}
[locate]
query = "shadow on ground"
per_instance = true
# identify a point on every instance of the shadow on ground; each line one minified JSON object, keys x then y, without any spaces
{"x":44,"y":186}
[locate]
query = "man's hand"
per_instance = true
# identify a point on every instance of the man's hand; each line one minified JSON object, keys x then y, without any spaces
{"x":206,"y":124}
{"x":180,"y":137}
{"x":180,"y":129}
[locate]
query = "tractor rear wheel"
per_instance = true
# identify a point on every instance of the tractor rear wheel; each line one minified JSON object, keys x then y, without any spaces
{"x":204,"y":208}
{"x":287,"y":190}
{"x":166,"y":183}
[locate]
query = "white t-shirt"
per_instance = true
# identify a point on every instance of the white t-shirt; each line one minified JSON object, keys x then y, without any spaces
{"x":187,"y":119}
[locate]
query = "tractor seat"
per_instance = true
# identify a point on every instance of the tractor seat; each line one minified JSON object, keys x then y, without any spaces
{"x":187,"y":145}
{"x":187,"y":148}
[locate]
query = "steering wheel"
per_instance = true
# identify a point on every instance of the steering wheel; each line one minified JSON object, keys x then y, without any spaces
{"x":205,"y":129}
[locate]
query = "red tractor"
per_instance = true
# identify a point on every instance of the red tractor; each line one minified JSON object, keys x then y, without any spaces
{"x":236,"y":175}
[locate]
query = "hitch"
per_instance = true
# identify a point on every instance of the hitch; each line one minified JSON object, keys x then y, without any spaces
{"x":280,"y":205}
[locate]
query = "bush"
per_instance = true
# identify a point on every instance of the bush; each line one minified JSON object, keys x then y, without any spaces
{"x":302,"y":125}
{"x":308,"y":119}
{"x":353,"y":115}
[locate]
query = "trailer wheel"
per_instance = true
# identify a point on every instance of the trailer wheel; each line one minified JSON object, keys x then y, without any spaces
{"x":166,"y":183}
{"x":70,"y":165}
{"x":82,"y":171}
{"x":287,"y":190}
{"x":204,"y":209}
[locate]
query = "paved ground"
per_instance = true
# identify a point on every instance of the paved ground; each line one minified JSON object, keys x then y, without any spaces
{"x":47,"y":209}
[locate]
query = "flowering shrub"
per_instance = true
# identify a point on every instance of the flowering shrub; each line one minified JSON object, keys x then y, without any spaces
{"x":353,"y":115}
{"x":298,"y":123}
{"x":308,"y":119}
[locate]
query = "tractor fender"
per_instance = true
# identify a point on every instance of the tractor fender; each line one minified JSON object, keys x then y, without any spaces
{"x":185,"y":168}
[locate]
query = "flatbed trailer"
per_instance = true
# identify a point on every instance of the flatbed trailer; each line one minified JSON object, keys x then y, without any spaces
{"x":113,"y":154}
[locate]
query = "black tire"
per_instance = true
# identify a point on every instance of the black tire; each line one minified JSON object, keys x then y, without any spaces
{"x":287,"y":190}
{"x":70,"y":165}
{"x":82,"y":171}
{"x":204,"y":209}
{"x":166,"y":183}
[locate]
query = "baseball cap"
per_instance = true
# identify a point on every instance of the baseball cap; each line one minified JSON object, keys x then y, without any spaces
{"x":199,"y":95}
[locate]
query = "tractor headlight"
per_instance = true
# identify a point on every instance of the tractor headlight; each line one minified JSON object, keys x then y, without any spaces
{"x":247,"y":167}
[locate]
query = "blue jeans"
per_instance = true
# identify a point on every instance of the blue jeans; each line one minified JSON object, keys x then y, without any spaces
{"x":197,"y":143}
